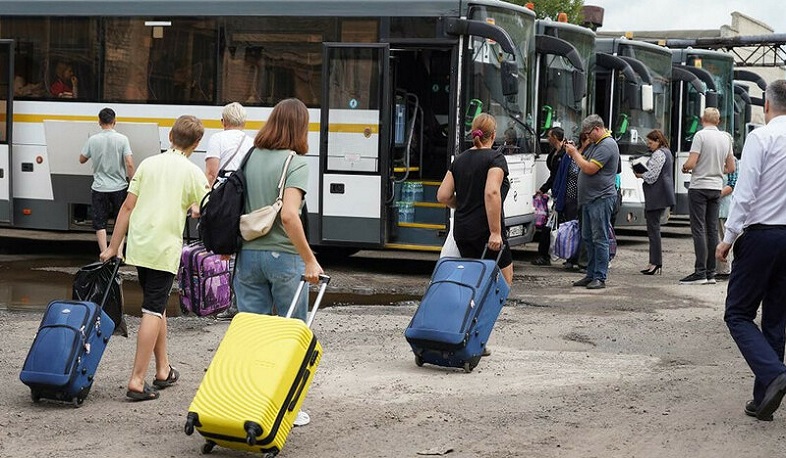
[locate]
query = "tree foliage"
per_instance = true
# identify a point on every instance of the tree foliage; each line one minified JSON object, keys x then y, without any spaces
{"x":551,"y":8}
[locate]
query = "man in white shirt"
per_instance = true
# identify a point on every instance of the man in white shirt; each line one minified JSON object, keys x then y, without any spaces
{"x":226,"y":149}
{"x":711,"y":157}
{"x":756,"y":225}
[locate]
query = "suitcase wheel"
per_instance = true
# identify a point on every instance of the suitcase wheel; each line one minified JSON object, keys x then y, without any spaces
{"x":468,"y":367}
{"x":419,"y":360}
{"x":252,"y":431}
{"x":207,"y":447}
{"x":35,"y":395}
{"x":77,"y":402}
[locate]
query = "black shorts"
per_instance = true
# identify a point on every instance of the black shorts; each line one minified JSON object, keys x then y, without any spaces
{"x":156,"y":286}
{"x":474,"y":249}
{"x":106,"y":205}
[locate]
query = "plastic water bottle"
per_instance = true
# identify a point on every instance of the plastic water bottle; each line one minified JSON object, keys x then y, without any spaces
{"x":417,"y":191}
{"x":406,"y":212}
{"x":406,"y":191}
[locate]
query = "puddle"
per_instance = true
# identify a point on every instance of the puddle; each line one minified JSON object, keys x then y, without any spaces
{"x":29,"y":285}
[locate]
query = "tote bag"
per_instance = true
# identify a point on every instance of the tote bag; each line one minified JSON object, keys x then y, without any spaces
{"x":567,"y":241}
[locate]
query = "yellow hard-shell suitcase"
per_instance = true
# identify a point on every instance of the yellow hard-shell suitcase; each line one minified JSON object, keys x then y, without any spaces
{"x":257,"y":380}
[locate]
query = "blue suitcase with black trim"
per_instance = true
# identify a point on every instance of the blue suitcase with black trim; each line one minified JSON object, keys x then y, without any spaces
{"x":63,"y":359}
{"x":452,"y":325}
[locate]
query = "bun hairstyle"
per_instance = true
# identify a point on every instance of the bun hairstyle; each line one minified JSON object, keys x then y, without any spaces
{"x":484,"y":126}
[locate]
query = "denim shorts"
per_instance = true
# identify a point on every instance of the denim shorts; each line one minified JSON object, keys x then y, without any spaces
{"x":266,"y":281}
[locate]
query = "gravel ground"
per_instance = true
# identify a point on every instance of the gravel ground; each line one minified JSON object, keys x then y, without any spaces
{"x":645,"y":368}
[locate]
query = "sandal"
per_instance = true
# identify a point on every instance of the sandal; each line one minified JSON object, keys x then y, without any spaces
{"x":170,"y":380}
{"x":148,"y":393}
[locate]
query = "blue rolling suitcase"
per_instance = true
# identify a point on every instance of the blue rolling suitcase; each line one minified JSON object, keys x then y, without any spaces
{"x":67,"y":348}
{"x":456,"y":315}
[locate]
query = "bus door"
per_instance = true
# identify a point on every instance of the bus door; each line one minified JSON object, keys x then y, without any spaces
{"x":353,"y":159}
{"x":6,"y":122}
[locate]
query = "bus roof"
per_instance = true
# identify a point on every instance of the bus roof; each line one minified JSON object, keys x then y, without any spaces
{"x":164,"y":8}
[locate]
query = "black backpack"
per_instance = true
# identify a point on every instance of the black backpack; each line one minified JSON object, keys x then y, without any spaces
{"x":220,"y":210}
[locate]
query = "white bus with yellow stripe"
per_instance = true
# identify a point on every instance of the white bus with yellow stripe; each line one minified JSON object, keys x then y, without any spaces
{"x":390,"y":86}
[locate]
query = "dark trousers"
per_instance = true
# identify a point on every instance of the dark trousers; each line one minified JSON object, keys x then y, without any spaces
{"x":653,"y":233}
{"x":704,"y":208}
{"x":758,"y":277}
{"x":543,"y":237}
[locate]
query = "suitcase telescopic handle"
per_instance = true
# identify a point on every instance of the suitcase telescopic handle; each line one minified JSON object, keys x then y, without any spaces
{"x":499,"y":253}
{"x":323,"y":282}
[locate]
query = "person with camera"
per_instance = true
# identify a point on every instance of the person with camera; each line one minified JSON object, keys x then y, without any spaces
{"x":597,"y":195}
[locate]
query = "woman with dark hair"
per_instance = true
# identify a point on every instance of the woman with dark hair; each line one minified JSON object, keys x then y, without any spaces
{"x":268,"y":269}
{"x":658,"y":194}
{"x":476,"y":185}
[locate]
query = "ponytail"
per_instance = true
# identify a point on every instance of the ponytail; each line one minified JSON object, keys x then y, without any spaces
{"x":483,"y":128}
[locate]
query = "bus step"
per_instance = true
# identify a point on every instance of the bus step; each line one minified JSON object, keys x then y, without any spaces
{"x":421,"y":234}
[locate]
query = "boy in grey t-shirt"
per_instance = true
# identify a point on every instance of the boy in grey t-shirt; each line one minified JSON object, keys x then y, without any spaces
{"x":710,"y":158}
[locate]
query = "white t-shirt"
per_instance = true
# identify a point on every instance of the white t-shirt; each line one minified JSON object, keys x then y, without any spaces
{"x":224,"y":144}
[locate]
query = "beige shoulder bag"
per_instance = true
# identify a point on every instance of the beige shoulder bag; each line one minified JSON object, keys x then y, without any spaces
{"x":259,"y":222}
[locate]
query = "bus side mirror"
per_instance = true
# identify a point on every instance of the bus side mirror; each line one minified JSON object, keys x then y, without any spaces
{"x":712,"y":99}
{"x":510,"y":78}
{"x":647,"y":98}
{"x":579,"y":86}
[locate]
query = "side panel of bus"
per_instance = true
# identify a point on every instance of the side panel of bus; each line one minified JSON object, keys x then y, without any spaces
{"x":6,"y":114}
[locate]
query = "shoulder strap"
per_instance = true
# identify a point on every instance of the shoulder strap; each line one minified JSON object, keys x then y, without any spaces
{"x":284,"y":175}
{"x":229,"y":161}
{"x":245,"y":158}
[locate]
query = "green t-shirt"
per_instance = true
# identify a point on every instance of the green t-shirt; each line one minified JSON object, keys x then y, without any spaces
{"x":107,"y":150}
{"x":165,"y":185}
{"x":263,"y":172}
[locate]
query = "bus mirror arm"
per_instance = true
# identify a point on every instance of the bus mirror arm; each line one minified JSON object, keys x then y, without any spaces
{"x":457,"y":27}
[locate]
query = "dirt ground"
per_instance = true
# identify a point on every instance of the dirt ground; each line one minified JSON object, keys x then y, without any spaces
{"x":645,"y":368}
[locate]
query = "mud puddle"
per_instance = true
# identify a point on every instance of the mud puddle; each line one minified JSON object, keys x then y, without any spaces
{"x":29,"y":285}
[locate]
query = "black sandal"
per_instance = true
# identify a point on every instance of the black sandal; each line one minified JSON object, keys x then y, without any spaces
{"x":147,"y":394}
{"x":170,"y":380}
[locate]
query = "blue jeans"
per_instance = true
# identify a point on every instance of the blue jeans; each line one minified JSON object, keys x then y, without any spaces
{"x":268,"y":280}
{"x":595,"y":221}
{"x":758,"y":279}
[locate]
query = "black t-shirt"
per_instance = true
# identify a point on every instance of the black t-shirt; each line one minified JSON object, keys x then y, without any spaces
{"x":470,"y":170}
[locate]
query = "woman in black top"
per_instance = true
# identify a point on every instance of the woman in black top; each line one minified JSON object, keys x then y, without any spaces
{"x":476,"y":185}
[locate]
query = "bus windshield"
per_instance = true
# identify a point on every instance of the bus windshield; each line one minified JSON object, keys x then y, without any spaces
{"x":484,"y":88}
{"x":635,"y":121}
{"x":559,"y":105}
{"x":722,"y":71}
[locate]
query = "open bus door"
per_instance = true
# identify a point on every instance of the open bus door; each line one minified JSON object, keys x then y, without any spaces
{"x":353,"y":158}
{"x":6,"y":124}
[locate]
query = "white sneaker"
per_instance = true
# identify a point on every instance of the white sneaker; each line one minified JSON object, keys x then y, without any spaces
{"x":302,"y":419}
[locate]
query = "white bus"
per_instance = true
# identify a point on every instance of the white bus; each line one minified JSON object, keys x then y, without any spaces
{"x":390,"y":86}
